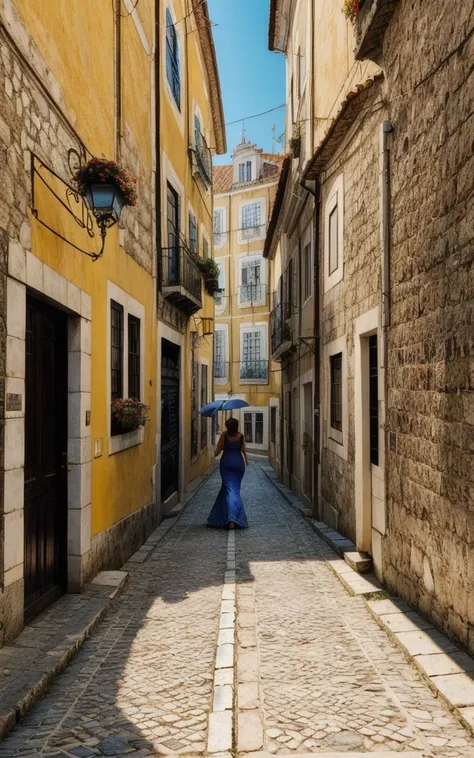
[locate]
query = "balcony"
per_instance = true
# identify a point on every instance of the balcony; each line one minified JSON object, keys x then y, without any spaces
{"x":252,"y":294}
{"x":281,"y":337}
{"x":254,"y":371}
{"x":182,"y":281}
{"x":221,"y":371}
{"x":370,"y":27}
{"x":202,"y":160}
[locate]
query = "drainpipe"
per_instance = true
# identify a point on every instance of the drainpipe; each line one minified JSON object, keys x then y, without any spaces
{"x":118,"y":79}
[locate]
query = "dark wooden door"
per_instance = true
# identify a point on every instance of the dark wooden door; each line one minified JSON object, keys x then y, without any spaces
{"x":169,"y":419}
{"x":45,"y":456}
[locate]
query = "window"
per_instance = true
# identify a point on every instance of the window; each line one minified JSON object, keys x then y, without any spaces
{"x":134,"y":357}
{"x":193,"y":233}
{"x":334,"y":235}
{"x":219,"y":355}
{"x":374,"y":400}
{"x":253,"y":428}
{"x":273,"y":422}
{"x":205,"y":248}
{"x":289,"y":290}
{"x":245,"y":171}
{"x":218,"y":226}
{"x":333,"y":241}
{"x":197,"y":131}
{"x":173,"y":73}
{"x":204,"y":401}
{"x":116,"y":345}
{"x":251,"y":219}
{"x":194,"y":408}
{"x":307,"y":272}
{"x":171,"y":262}
{"x":336,"y":392}
{"x":252,"y":289}
{"x":253,"y":366}
{"x":219,"y":297}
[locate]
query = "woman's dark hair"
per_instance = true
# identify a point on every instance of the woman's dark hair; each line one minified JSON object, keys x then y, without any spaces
{"x":232,"y":425}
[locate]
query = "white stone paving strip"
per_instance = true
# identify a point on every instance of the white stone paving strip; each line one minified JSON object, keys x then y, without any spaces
{"x":221,"y":719}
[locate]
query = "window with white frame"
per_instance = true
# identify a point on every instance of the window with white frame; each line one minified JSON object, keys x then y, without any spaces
{"x":252,"y":287}
{"x":245,"y":171}
{"x":336,"y":403}
{"x":334,"y":235}
{"x":126,"y":340}
{"x":173,"y":70}
{"x":220,"y":367}
{"x":218,"y":226}
{"x":251,"y":220}
{"x":307,"y":272}
{"x":254,"y":427}
{"x":219,"y":297}
{"x":253,"y":354}
{"x":193,"y":233}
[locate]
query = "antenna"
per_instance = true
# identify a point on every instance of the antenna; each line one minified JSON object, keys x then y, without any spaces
{"x":243,"y":130}
{"x":273,"y":138}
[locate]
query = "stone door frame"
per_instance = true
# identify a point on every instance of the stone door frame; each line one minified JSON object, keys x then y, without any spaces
{"x":27,"y":273}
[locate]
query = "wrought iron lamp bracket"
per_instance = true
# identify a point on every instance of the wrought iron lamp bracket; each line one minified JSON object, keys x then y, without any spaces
{"x":73,"y":202}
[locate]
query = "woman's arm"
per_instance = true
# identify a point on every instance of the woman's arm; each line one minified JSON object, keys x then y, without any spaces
{"x":244,"y":451}
{"x":219,"y":446}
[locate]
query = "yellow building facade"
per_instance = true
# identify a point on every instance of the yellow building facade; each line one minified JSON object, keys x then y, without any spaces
{"x":83,"y":491}
{"x":243,"y":201}
{"x":191,"y":122}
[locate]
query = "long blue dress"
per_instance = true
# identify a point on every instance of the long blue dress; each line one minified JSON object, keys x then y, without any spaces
{"x":229,"y":506}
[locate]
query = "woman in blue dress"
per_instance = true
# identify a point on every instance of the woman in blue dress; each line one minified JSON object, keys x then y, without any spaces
{"x":228,"y":510}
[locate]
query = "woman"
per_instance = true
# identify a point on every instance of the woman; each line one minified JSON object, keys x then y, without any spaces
{"x":228,"y":510}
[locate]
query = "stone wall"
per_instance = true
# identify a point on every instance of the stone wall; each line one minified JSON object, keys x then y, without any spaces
{"x":358,"y":292}
{"x":429,"y":553}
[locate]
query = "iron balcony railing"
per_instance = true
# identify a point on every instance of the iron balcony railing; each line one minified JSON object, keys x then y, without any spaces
{"x":221,"y":369}
{"x":181,"y":277}
{"x":280,"y":329}
{"x":254,"y":370}
{"x":252,"y":293}
{"x":202,"y":159}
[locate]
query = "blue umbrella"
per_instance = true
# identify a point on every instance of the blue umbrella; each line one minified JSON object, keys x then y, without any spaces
{"x":222,"y":405}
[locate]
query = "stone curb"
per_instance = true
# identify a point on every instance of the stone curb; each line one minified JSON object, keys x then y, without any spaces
{"x":352,"y":580}
{"x":447,"y":669}
{"x":104,"y":591}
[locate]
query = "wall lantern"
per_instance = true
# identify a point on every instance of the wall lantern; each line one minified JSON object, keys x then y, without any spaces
{"x":106,"y":203}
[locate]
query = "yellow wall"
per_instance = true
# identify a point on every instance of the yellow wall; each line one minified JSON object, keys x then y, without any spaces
{"x":177,"y":133}
{"x":83,"y":65}
{"x":234,"y":315}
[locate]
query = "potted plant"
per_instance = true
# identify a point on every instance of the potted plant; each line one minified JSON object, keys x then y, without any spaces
{"x":210,"y":274}
{"x":295,"y":142}
{"x":106,"y":188}
{"x":128,"y":414}
{"x":351,"y":9}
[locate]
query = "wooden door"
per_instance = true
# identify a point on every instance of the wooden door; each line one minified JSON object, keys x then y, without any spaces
{"x":45,"y":456}
{"x":169,"y":419}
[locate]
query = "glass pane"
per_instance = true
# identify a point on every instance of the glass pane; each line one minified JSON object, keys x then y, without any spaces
{"x":259,"y":428}
{"x":333,"y":242}
{"x":248,"y":432}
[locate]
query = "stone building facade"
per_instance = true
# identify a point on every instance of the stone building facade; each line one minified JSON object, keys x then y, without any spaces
{"x":392,"y":169}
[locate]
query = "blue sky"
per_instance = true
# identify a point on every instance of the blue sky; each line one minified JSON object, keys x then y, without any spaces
{"x":252,"y":78}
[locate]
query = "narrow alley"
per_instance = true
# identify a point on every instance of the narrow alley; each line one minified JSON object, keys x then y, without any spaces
{"x":314,"y":672}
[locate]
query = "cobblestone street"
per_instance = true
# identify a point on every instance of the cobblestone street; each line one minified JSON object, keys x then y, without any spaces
{"x":314,"y":673}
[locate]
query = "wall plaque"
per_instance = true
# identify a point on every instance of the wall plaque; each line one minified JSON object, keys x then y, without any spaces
{"x":14,"y":402}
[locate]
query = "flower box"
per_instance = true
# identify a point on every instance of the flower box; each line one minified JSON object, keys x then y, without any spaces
{"x":127,"y":415}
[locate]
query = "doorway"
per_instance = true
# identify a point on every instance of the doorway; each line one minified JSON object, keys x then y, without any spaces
{"x":45,"y":456}
{"x":170,"y":368}
{"x":308,"y":443}
{"x":369,"y":454}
